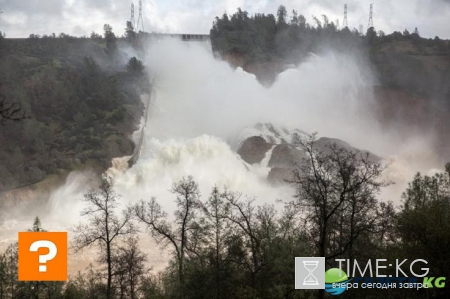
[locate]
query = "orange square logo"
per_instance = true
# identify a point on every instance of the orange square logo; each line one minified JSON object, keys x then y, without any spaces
{"x":42,"y":256}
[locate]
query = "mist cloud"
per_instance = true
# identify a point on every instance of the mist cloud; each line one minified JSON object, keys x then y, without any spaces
{"x":201,"y":105}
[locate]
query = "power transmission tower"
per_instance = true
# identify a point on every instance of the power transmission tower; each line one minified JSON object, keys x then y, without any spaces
{"x":132,"y":21}
{"x":371,"y":16}
{"x":345,"y":24}
{"x":140,"y":21}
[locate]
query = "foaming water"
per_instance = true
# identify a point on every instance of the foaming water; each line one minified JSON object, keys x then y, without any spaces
{"x":200,"y":105}
{"x":199,"y":108}
{"x":196,"y":94}
{"x":208,"y":159}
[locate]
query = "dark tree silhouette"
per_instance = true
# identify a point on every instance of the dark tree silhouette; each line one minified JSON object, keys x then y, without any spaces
{"x":181,"y":236}
{"x":104,"y":228}
{"x":10,"y":111}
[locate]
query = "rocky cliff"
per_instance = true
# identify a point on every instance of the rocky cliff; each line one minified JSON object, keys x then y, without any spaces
{"x":280,"y":144}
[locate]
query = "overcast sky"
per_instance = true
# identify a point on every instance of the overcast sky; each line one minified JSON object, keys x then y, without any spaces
{"x":81,"y":17}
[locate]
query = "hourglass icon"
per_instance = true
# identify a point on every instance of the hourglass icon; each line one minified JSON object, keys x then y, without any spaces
{"x":310,"y":279}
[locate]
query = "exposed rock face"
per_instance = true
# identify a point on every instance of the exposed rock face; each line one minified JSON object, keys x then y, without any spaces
{"x":253,"y":149}
{"x":284,"y":159}
{"x":286,"y":155}
{"x":323,"y":143}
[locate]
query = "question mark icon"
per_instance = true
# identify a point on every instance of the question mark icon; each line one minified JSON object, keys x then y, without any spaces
{"x":44,"y":258}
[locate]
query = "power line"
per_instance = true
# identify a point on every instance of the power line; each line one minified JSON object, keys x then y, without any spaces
{"x":140,"y":21}
{"x":132,"y":21}
{"x":371,"y":17}
{"x":345,"y":24}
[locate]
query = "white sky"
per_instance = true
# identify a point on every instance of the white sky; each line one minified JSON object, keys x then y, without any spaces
{"x":81,"y":17}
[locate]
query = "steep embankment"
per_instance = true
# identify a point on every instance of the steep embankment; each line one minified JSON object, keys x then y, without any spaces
{"x":82,"y":103}
{"x":42,"y":190}
{"x":265,"y":71}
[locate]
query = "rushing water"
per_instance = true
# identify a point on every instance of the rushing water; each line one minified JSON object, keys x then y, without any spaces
{"x":200,"y":111}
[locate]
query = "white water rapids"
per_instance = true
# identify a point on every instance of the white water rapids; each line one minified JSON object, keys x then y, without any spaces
{"x":200,"y":106}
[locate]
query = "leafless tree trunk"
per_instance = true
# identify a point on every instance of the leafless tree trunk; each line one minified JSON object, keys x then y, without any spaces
{"x":333,"y":182}
{"x":104,"y":227}
{"x":183,"y":235}
{"x":243,"y":215}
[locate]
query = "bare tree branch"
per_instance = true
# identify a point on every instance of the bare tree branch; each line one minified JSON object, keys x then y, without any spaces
{"x":10,"y":111}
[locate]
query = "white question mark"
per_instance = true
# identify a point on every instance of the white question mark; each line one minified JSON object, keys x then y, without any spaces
{"x":43,"y":258}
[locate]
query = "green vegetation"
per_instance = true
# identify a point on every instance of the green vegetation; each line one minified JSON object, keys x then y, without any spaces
{"x":265,"y":44}
{"x":80,"y":101}
{"x":267,"y":37}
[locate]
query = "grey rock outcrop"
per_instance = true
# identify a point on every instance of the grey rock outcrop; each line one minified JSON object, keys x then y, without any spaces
{"x":286,"y":155}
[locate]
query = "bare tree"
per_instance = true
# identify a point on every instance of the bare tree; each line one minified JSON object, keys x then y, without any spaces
{"x":243,"y":215}
{"x":184,"y":234}
{"x":129,"y":267}
{"x":104,"y":227}
{"x":334,"y":181}
{"x":336,"y":187}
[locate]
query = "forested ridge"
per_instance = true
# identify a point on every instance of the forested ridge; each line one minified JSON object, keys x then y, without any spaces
{"x":79,"y":102}
{"x":273,"y":41}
